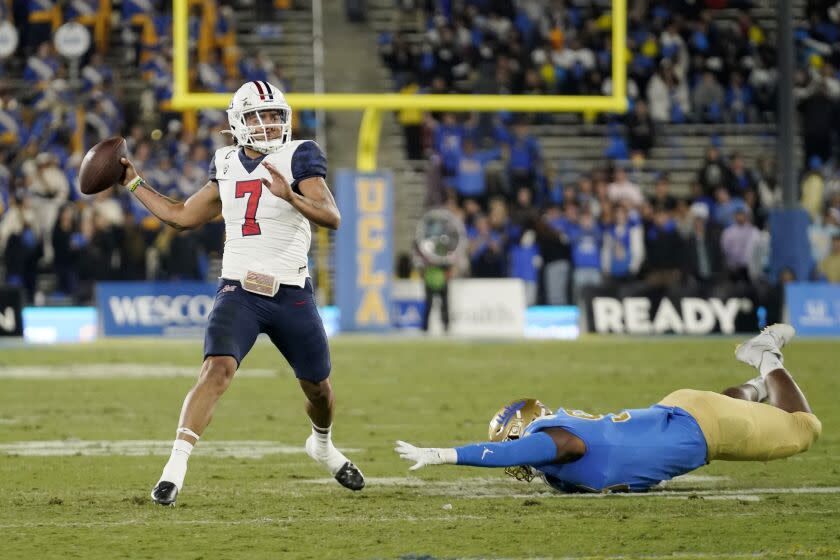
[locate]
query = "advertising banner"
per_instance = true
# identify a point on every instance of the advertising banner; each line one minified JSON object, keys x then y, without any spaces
{"x":154,"y":308}
{"x":49,"y":325}
{"x":364,"y":252}
{"x":408,"y":302}
{"x":491,"y":307}
{"x":814,"y":309}
{"x":654,"y":314}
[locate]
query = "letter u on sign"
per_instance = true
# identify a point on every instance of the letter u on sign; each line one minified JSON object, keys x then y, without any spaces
{"x":370,"y":194}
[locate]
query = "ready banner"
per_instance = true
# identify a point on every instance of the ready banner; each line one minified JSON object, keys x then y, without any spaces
{"x":655,"y":314}
{"x":11,"y":311}
{"x":364,"y":251}
{"x":814,"y":309}
{"x":154,"y":308}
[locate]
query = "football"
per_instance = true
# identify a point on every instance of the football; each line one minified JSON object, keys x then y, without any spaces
{"x":101,"y":166}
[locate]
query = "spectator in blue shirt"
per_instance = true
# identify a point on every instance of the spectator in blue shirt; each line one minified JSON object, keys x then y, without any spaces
{"x":164,"y":176}
{"x":211,"y":74}
{"x":586,"y":255}
{"x":469,"y":176}
{"x":42,"y":67}
{"x":726,"y":207}
{"x":525,"y":261}
{"x":623,"y":247}
{"x":524,"y":158}
{"x":448,"y":142}
{"x":96,"y":73}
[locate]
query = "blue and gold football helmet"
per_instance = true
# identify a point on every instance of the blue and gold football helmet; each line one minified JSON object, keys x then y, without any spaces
{"x":510,"y":423}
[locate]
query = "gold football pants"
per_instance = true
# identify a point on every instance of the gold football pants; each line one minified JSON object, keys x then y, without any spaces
{"x":738,"y":430}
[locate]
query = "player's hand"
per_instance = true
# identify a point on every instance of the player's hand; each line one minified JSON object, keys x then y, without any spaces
{"x":130,"y":172}
{"x":278,"y":185}
{"x":421,"y":456}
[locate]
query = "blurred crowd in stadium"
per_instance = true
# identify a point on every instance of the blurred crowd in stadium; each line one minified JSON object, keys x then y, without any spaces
{"x":607,"y":224}
{"x":51,"y":111}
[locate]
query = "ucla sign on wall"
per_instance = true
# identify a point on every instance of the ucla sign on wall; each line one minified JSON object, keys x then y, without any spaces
{"x":364,"y":251}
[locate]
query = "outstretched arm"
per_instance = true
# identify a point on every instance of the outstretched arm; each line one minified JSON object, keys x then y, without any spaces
{"x":536,"y":449}
{"x":197,"y":210}
{"x":315,"y":202}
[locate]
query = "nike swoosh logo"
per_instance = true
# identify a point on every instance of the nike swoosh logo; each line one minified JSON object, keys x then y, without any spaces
{"x":485,"y":452}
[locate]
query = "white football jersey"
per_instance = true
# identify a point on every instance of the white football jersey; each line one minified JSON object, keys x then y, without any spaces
{"x":263,"y":232}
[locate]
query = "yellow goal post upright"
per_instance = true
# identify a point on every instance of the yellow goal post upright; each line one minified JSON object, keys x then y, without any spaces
{"x":374,"y":103}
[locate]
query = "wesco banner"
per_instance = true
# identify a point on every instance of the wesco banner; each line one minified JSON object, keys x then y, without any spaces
{"x":364,"y":254}
{"x":154,"y":308}
{"x":11,"y":308}
{"x":607,"y":312}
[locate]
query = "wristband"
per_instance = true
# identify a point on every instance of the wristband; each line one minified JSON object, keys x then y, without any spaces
{"x":136,"y":182}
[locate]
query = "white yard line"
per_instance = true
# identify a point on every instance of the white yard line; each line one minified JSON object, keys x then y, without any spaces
{"x":260,"y":521}
{"x":114,"y":371}
{"x":697,"y":478}
{"x":679,"y":556}
{"x":133,"y":448}
{"x":482,"y":487}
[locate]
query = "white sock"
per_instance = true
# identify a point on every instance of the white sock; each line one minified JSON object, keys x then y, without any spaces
{"x":176,"y":468}
{"x":323,"y":436}
{"x":769,"y":362}
{"x":758,"y":384}
{"x":327,"y":452}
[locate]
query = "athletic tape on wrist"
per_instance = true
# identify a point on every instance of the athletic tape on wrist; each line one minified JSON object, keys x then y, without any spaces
{"x":136,"y":182}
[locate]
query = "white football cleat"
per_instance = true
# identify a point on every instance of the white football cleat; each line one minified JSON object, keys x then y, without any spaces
{"x":772,"y":339}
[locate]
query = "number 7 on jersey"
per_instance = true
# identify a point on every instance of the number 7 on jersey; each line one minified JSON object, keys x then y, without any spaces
{"x":252,"y":188}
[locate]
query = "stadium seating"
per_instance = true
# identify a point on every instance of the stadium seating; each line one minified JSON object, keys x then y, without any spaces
{"x":132,"y":43}
{"x":575,"y":147}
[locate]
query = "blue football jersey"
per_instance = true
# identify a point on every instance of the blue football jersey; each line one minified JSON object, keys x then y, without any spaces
{"x":629,"y":451}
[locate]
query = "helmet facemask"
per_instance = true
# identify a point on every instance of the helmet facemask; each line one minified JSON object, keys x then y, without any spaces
{"x":259,"y":117}
{"x":510,"y":422}
{"x":264,"y":130}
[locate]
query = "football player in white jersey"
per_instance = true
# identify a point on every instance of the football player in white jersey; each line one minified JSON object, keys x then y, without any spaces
{"x":268,"y":188}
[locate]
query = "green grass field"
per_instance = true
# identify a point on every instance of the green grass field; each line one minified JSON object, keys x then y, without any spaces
{"x":252,"y":493}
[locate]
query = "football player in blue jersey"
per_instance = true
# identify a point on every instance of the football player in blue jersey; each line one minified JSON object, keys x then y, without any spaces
{"x":766,"y":418}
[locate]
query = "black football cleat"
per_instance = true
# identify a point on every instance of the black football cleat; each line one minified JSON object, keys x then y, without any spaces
{"x":348,"y":476}
{"x":165,"y":493}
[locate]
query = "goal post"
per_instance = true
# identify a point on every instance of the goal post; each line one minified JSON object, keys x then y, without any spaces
{"x":616,"y":102}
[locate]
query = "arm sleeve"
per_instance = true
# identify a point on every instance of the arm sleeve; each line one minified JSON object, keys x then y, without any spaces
{"x":308,"y":161}
{"x":536,"y":449}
